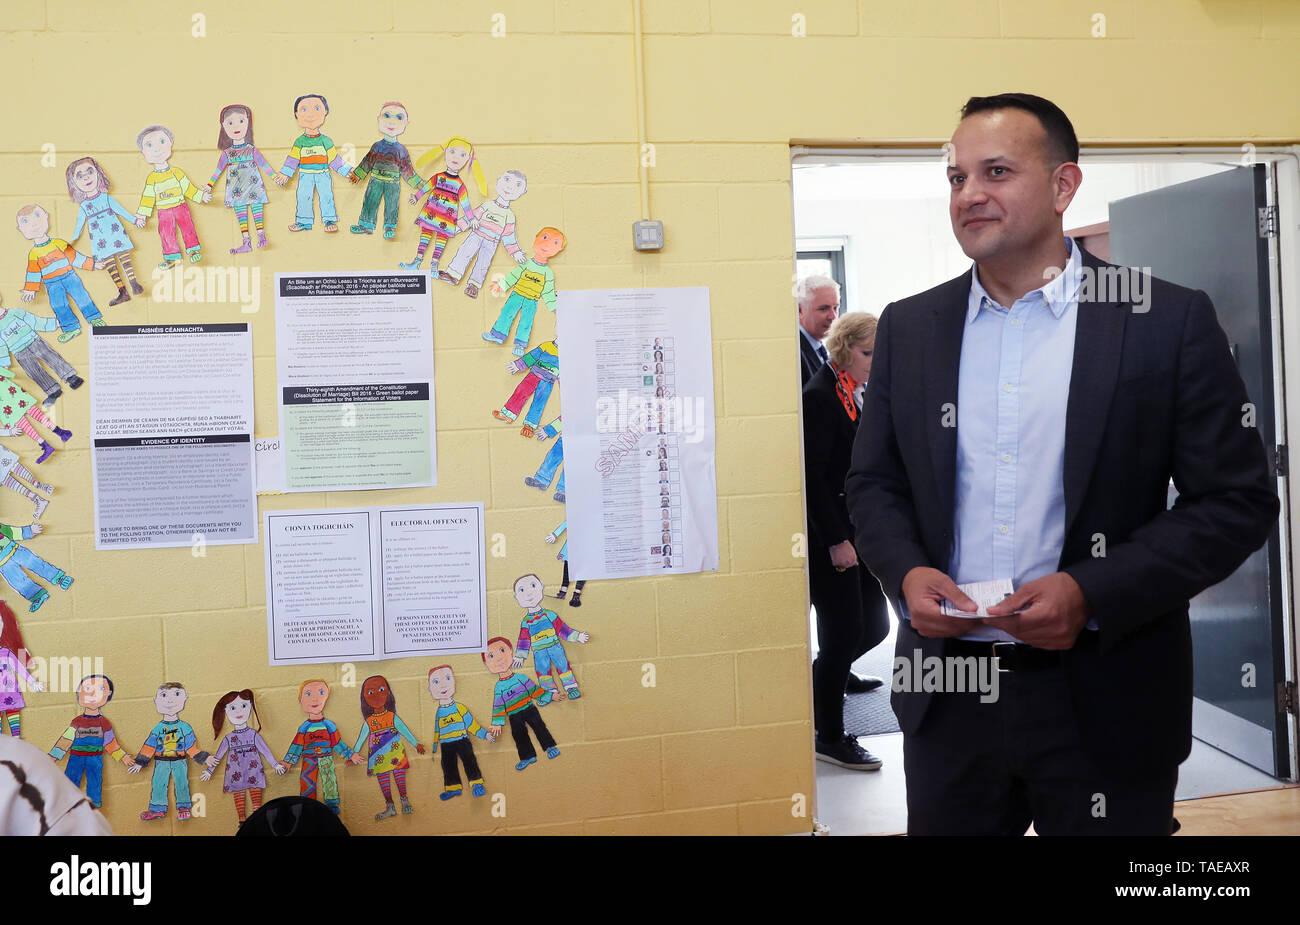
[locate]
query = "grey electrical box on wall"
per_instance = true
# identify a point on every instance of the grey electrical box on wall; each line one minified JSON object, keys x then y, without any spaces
{"x":648,"y":235}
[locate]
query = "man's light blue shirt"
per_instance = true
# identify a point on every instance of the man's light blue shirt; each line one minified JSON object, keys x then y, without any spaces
{"x":1012,"y":389}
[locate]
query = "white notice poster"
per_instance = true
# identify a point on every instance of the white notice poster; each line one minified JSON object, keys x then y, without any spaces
{"x":636,"y":385}
{"x":354,"y":360}
{"x":361,"y":584}
{"x":171,"y":430}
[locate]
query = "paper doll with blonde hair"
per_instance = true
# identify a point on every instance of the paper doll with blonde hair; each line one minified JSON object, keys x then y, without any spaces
{"x":448,"y":202}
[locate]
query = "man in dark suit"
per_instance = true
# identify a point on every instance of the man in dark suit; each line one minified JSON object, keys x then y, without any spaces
{"x":1022,"y":430}
{"x":818,"y":298}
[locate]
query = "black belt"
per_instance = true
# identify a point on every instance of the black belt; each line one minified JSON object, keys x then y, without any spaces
{"x":1016,"y":656}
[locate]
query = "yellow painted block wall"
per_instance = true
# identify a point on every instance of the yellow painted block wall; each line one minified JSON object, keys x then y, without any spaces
{"x":721,"y":743}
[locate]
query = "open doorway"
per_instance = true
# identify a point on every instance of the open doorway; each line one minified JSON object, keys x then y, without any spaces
{"x":1220,"y":220}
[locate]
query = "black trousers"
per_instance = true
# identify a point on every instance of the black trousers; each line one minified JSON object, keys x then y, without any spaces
{"x":852,"y":619}
{"x":464,"y":750}
{"x":993,"y":768}
{"x":519,"y":723}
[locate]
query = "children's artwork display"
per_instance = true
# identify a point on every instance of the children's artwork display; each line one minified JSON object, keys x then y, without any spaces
{"x":166,"y":191}
{"x":639,"y":431}
{"x":105,"y":219}
{"x":243,"y":748}
{"x":359,"y":584}
{"x":14,"y":668}
{"x":515,"y":699}
{"x":491,"y":223}
{"x":447,"y":205}
{"x":384,"y":737}
{"x":385,"y":166}
{"x":552,"y":462}
{"x":90,"y":740}
{"x":171,"y":411}
{"x":354,"y":361}
{"x":171,"y":746}
{"x":18,"y":564}
{"x":20,"y":338}
{"x":312,"y":157}
{"x":20,"y":480}
{"x":453,"y":727}
{"x":543,"y":633}
{"x":530,"y":282}
{"x":52,"y":265}
{"x":541,"y":369}
{"x":243,"y":165}
{"x":317,"y":743}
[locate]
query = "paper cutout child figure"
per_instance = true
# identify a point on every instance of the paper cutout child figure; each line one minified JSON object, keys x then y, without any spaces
{"x":453,"y":725}
{"x":543,"y":633}
{"x":245,"y":191}
{"x":317,"y":742}
{"x":543,"y":365}
{"x":382,"y":733}
{"x":165,"y":191}
{"x":12,"y":474}
{"x":90,"y":740}
{"x":516,"y":697}
{"x":16,"y":561}
{"x":103,"y":215}
{"x":243,"y":748}
{"x":19,"y":336}
{"x":553,"y":460}
{"x":14,"y":659}
{"x":563,"y":556}
{"x":51,"y":263}
{"x":493,"y":223}
{"x":171,"y":744}
{"x":448,"y":202}
{"x":387,"y":163}
{"x":531,"y":281}
{"x":313,"y":156}
{"x":20,"y":412}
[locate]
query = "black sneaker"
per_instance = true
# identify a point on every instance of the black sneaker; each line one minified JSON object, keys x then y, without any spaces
{"x":847,"y":753}
{"x":75,"y":381}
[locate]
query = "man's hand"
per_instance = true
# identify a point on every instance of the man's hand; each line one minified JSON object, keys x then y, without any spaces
{"x":924,"y":589}
{"x":1047,"y":612}
{"x":843,"y":555}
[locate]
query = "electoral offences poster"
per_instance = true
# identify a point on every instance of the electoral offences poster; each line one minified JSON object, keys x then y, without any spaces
{"x":171,"y":429}
{"x":354,"y":360}
{"x":637,"y":391}
{"x":359,"y":584}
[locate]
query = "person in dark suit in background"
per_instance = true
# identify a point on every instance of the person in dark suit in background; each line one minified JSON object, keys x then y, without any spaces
{"x":1029,"y":430}
{"x":852,"y":616}
{"x":818,"y":298}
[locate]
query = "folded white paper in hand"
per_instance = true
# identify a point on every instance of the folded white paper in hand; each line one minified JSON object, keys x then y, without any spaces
{"x":984,"y":593}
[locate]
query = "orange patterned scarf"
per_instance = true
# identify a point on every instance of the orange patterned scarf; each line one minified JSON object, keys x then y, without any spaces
{"x":845,"y":385}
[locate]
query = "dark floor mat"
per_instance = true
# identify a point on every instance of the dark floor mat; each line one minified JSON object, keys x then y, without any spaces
{"x":870,"y":714}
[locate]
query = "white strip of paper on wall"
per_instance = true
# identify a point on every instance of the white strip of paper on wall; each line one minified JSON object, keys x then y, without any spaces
{"x":171,"y":430}
{"x":636,"y":381}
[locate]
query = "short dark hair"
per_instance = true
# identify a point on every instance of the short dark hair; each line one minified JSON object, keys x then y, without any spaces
{"x":1062,"y":143}
{"x":309,"y":96}
{"x":106,"y":678}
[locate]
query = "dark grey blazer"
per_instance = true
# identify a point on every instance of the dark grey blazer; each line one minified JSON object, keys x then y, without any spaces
{"x":1153,"y":395}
